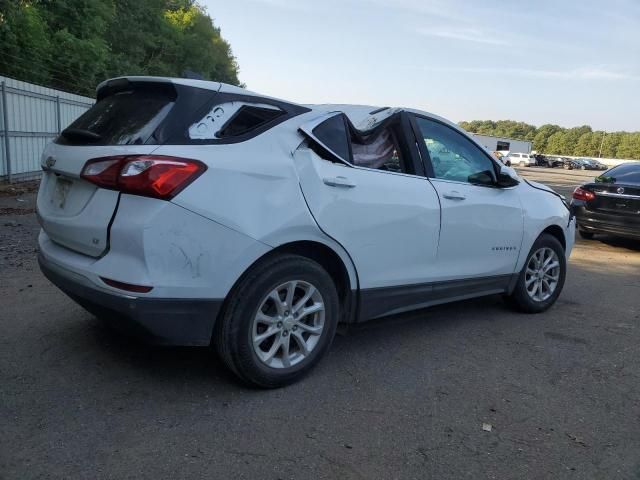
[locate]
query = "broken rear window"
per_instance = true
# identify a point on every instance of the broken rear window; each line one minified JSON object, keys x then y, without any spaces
{"x":232,"y":119}
{"x":159,"y":113}
{"x":127,"y":117}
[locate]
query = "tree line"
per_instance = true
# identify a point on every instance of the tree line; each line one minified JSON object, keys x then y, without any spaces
{"x":73,"y":45}
{"x":552,"y":139}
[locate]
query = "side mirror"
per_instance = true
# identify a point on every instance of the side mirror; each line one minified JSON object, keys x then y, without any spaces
{"x":482,"y":178}
{"x":507,"y":177}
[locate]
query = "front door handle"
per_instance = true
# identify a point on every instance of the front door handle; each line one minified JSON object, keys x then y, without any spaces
{"x":338,"y":182}
{"x":454,"y":195}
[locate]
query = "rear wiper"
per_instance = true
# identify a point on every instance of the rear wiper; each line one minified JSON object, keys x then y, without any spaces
{"x":81,"y":133}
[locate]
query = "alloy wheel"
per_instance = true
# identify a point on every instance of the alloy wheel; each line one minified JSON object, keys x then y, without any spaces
{"x":288,"y":324}
{"x":542,"y":274}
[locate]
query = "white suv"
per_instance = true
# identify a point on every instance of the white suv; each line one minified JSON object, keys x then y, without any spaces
{"x":521,"y":159}
{"x":193,"y":212}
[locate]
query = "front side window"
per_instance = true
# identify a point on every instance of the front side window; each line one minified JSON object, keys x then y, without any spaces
{"x":453,"y":156}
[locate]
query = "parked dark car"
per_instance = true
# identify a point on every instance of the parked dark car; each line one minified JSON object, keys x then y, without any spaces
{"x":610,"y":204}
{"x":552,"y":161}
{"x":577,"y":164}
{"x":596,"y":164}
{"x":541,"y":160}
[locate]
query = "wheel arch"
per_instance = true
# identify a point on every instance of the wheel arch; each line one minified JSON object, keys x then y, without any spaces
{"x":557,"y":232}
{"x":331,"y":261}
{"x":341,"y":270}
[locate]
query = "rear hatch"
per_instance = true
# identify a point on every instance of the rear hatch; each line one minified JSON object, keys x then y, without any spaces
{"x":129,"y":118}
{"x":73,"y":212}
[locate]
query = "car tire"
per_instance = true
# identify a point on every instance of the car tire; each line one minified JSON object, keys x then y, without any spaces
{"x":523,"y":164}
{"x":252,"y":300}
{"x":586,"y":235}
{"x":545,"y":247}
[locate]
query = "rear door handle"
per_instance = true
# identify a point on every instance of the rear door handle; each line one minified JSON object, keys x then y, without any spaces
{"x":338,"y":182}
{"x":454,"y":195}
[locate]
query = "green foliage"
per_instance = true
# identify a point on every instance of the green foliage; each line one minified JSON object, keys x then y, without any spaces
{"x":75,"y":44}
{"x":552,"y":139}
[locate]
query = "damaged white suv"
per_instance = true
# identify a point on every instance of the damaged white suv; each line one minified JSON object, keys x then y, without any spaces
{"x":193,"y":212}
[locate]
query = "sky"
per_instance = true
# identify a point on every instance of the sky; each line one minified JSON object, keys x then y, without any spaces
{"x":567,"y":62}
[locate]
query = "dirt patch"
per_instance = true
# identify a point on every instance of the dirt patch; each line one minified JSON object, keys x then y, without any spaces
{"x":17,"y":189}
{"x":16,"y":211}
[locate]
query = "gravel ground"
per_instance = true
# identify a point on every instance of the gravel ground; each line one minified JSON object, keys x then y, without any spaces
{"x":470,"y":390}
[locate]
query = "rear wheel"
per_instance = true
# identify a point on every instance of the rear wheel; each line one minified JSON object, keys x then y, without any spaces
{"x":278,"y":322}
{"x":586,"y":235}
{"x":523,"y":164}
{"x":542,"y":278}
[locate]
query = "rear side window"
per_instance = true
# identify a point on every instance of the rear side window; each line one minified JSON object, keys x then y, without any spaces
{"x":127,"y":117}
{"x":379,"y":149}
{"x":333,"y":134}
{"x":232,"y":119}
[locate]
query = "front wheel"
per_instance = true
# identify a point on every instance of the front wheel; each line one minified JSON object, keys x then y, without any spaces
{"x":278,"y":322}
{"x":542,"y":278}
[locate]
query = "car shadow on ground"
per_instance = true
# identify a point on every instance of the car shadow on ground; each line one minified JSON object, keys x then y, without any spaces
{"x":165,"y":363}
{"x":619,"y":242}
{"x":201,"y":364}
{"x":485,"y":317}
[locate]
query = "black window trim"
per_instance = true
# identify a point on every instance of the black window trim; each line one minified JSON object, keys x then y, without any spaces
{"x":290,"y":110}
{"x":424,"y":152}
{"x":181,"y":137}
{"x":241,"y":110}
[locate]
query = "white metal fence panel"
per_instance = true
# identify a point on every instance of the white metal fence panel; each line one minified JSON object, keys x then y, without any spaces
{"x":30,"y":117}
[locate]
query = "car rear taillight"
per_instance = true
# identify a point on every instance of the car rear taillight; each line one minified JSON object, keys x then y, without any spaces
{"x":581,"y":194}
{"x":155,"y":176}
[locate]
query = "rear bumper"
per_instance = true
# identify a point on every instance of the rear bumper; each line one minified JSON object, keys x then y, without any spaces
{"x":603,"y":223}
{"x":163,"y":321}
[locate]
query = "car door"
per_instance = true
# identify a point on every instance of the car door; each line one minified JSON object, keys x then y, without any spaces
{"x":482,"y":225}
{"x":388,"y":220}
